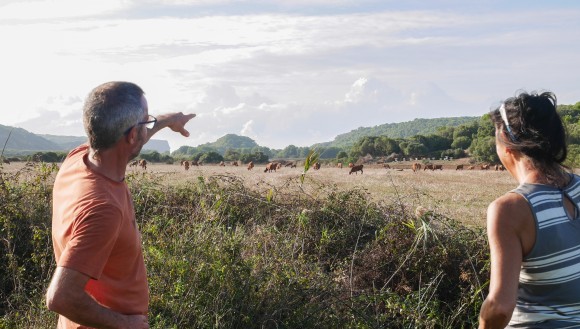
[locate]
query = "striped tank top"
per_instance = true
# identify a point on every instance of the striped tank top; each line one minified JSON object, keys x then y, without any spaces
{"x":549,"y":283}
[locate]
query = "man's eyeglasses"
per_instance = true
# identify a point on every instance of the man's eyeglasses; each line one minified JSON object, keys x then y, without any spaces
{"x":150,"y":123}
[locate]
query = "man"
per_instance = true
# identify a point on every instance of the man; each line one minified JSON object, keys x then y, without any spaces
{"x":100,"y":280}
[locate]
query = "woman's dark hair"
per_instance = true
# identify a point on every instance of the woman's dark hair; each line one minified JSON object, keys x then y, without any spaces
{"x":533,"y":127}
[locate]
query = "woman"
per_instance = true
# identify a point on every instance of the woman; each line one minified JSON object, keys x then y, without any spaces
{"x":533,"y":230}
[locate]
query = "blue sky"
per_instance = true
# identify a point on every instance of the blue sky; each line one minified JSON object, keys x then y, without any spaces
{"x":283,"y":72}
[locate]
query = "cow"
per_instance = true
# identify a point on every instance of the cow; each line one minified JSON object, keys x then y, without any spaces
{"x":134,"y":163}
{"x":459,"y":167}
{"x":293,"y":165}
{"x":290,"y":164}
{"x":222,"y":164}
{"x":350,"y":164}
{"x":143,"y":163}
{"x":386,"y":166}
{"x":279,"y":165}
{"x":356,"y":169}
{"x":194,"y":163}
{"x":186,"y":164}
{"x":235,"y":163}
{"x":250,"y":165}
{"x":499,"y":167}
{"x":316,"y":166}
{"x":470,"y":167}
{"x":271,"y":166}
{"x":485,"y":167}
{"x":339,"y":165}
{"x":416,"y":166}
{"x":437,"y":166}
{"x":428,"y":166}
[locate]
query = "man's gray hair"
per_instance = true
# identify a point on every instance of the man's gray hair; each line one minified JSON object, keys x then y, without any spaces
{"x":110,"y":110}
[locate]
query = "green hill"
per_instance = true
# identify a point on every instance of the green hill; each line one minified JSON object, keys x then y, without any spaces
{"x":66,"y":142}
{"x":231,"y":141}
{"x":397,"y":130}
{"x":20,"y":141}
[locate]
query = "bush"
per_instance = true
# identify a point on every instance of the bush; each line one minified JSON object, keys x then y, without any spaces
{"x":222,"y":255}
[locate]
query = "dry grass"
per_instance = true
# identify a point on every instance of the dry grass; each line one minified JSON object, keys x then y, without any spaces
{"x":462,"y":195}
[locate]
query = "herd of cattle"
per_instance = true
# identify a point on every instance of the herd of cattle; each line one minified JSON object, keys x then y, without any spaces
{"x":273,"y":166}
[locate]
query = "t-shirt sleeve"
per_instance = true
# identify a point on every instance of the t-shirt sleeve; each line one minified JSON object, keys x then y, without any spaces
{"x":93,"y":236}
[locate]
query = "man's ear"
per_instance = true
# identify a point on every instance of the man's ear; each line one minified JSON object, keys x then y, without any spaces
{"x":131,"y":136}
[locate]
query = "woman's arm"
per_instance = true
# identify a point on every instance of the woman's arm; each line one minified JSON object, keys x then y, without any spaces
{"x":511,"y":233}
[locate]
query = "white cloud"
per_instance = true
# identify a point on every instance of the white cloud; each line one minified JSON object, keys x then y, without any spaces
{"x":43,"y":9}
{"x":248,"y":131}
{"x":285,"y":78}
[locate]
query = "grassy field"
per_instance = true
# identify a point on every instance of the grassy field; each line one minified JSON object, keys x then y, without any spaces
{"x":459,"y":194}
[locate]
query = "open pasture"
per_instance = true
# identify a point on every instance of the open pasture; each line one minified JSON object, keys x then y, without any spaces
{"x":458,"y":194}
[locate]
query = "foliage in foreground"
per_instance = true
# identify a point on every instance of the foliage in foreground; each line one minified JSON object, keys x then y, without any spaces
{"x":222,"y":255}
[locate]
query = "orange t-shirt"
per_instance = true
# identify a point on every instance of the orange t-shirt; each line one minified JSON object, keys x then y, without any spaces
{"x":94,"y":232}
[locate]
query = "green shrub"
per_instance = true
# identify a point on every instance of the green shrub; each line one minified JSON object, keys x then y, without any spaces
{"x":220,"y":254}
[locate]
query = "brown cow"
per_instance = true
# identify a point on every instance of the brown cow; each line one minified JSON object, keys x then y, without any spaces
{"x":428,"y":166}
{"x":222,"y":164}
{"x":485,"y":167}
{"x":350,"y":164}
{"x":235,"y":163}
{"x":293,"y":165}
{"x":416,"y":166}
{"x":470,"y":167}
{"x":271,"y":166}
{"x":339,"y":165}
{"x":435,"y":167}
{"x":250,"y":165}
{"x":186,"y":165}
{"x":386,"y":166}
{"x":459,"y":167}
{"x":143,"y":163}
{"x":290,"y":164}
{"x":134,"y":163}
{"x":316,"y":166}
{"x":356,"y":169}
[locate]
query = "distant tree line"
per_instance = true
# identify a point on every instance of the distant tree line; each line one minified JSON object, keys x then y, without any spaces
{"x":474,"y":138}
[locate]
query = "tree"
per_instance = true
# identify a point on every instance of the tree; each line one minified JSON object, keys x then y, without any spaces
{"x":330,"y":152}
{"x":257,"y":157}
{"x":466,"y":130}
{"x":231,"y":155}
{"x":152,"y":156}
{"x":415,"y":149}
{"x":211,"y":157}
{"x":385,"y":146}
{"x":483,"y":149}
{"x":289,"y":151}
{"x":461,"y":142}
{"x":483,"y":146}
